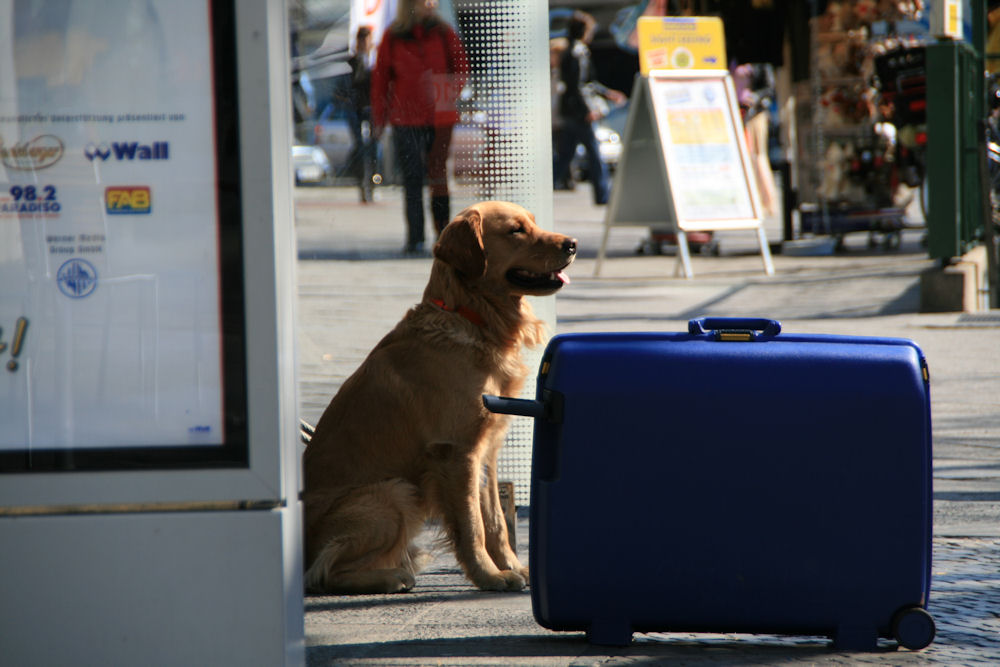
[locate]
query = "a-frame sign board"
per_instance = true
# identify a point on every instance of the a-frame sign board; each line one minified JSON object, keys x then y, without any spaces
{"x":685,"y":165}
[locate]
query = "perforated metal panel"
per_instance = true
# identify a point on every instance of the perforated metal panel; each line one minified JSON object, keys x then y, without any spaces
{"x":507,"y":44}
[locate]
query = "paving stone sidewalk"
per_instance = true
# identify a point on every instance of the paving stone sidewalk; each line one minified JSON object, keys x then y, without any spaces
{"x":444,"y":621}
{"x":354,"y":286}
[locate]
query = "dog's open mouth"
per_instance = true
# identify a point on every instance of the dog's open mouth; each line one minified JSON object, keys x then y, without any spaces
{"x":530,"y":280}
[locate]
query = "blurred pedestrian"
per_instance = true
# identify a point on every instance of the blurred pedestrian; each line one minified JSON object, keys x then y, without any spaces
{"x":419,"y":73}
{"x":754,"y":84}
{"x":583,"y":102}
{"x":557,"y":47}
{"x":992,"y":49}
{"x":360,"y":112}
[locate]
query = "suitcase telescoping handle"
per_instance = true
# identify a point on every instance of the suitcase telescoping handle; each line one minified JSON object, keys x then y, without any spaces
{"x":549,"y":408}
{"x":513,"y":406}
{"x":735,"y":328}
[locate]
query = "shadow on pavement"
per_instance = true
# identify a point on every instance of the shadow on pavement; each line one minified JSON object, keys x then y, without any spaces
{"x":646,"y":650}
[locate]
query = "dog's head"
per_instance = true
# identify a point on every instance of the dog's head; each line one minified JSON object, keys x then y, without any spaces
{"x":498,"y":242}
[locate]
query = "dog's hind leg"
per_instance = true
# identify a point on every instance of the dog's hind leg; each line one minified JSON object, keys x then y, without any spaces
{"x":363,"y":541}
{"x":365,"y":582}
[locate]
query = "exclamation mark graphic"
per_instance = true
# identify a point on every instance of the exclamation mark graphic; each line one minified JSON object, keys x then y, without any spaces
{"x":15,"y":348}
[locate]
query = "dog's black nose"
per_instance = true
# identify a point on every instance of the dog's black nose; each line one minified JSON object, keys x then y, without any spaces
{"x":569,"y":247}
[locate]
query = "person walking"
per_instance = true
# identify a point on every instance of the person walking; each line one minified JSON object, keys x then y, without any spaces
{"x":360,"y":116}
{"x":419,"y":73}
{"x":583,"y":102}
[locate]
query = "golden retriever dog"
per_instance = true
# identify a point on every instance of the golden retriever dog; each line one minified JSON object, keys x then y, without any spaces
{"x":407,"y":437}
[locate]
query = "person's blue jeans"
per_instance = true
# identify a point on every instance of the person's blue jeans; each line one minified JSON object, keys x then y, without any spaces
{"x":365,"y":150}
{"x":412,"y":146}
{"x":575,"y":132}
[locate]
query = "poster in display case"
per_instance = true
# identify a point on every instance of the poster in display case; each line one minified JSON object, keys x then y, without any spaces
{"x":122,"y":331}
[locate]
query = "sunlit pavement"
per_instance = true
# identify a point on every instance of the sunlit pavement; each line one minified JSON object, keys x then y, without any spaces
{"x":354,"y":285}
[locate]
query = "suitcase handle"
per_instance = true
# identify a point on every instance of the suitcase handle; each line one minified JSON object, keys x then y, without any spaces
{"x":550,"y":408}
{"x":728,"y":325}
{"x":513,"y":406}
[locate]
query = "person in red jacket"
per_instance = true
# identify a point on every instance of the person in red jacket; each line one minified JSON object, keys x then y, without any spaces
{"x":419,"y":72}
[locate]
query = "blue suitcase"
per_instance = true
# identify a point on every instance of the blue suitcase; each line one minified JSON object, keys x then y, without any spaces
{"x":731,"y":479}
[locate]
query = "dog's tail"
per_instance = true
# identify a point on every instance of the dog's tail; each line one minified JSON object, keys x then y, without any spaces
{"x":306,"y":431}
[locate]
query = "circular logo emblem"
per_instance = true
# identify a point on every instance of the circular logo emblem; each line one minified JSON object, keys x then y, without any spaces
{"x":77,"y":278}
{"x":682,"y":58}
{"x":38,"y":153}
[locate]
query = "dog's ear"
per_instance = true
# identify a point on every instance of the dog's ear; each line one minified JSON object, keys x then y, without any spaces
{"x":461,"y":244}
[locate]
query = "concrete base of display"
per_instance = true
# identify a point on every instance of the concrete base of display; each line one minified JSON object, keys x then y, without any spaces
{"x":137,"y":588}
{"x":957,"y":287}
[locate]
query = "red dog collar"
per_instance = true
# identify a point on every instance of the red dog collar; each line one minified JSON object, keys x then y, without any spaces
{"x":467,"y":313}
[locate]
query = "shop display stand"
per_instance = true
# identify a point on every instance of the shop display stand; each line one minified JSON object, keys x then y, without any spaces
{"x":847,"y":179}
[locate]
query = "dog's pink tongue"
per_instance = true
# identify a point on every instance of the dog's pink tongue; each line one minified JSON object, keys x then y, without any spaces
{"x":563,"y":277}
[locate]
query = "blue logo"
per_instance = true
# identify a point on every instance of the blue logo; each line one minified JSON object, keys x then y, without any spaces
{"x":128,"y":150}
{"x":77,"y":278}
{"x":92,"y":152}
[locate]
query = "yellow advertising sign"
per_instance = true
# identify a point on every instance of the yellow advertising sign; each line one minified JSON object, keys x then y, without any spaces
{"x":670,"y":42}
{"x":946,"y":19}
{"x":953,"y":19}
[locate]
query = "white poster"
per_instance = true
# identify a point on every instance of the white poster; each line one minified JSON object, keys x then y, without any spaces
{"x":109,"y":250}
{"x":698,"y":130}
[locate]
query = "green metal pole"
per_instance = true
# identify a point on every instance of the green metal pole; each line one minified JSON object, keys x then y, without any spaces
{"x":956,"y":105}
{"x":943,"y":214}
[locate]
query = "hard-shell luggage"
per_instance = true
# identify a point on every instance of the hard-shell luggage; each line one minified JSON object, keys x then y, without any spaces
{"x":731,"y":479}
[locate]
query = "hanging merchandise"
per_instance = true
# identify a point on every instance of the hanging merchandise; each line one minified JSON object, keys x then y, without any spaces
{"x":862,"y":141}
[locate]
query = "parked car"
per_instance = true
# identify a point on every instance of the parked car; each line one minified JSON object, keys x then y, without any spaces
{"x":609,"y":131}
{"x":330,"y":130}
{"x":470,"y":138}
{"x":333,"y":136}
{"x":311,"y":166}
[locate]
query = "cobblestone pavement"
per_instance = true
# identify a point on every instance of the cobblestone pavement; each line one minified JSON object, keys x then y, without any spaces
{"x":965,"y":599}
{"x":444,"y":621}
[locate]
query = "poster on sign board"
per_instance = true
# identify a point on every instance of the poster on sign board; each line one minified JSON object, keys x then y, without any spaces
{"x":700,"y":134}
{"x":685,"y":166}
{"x":111,"y":300}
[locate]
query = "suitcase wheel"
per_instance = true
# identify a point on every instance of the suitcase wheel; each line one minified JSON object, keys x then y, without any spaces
{"x":913,"y":628}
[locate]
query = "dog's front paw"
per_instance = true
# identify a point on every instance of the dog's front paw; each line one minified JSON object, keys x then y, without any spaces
{"x":521,"y":570}
{"x":504,"y":580}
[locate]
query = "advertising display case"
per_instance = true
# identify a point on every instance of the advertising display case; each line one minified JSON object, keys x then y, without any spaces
{"x":123,"y":317}
{"x":146,"y":305}
{"x":122,"y":245}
